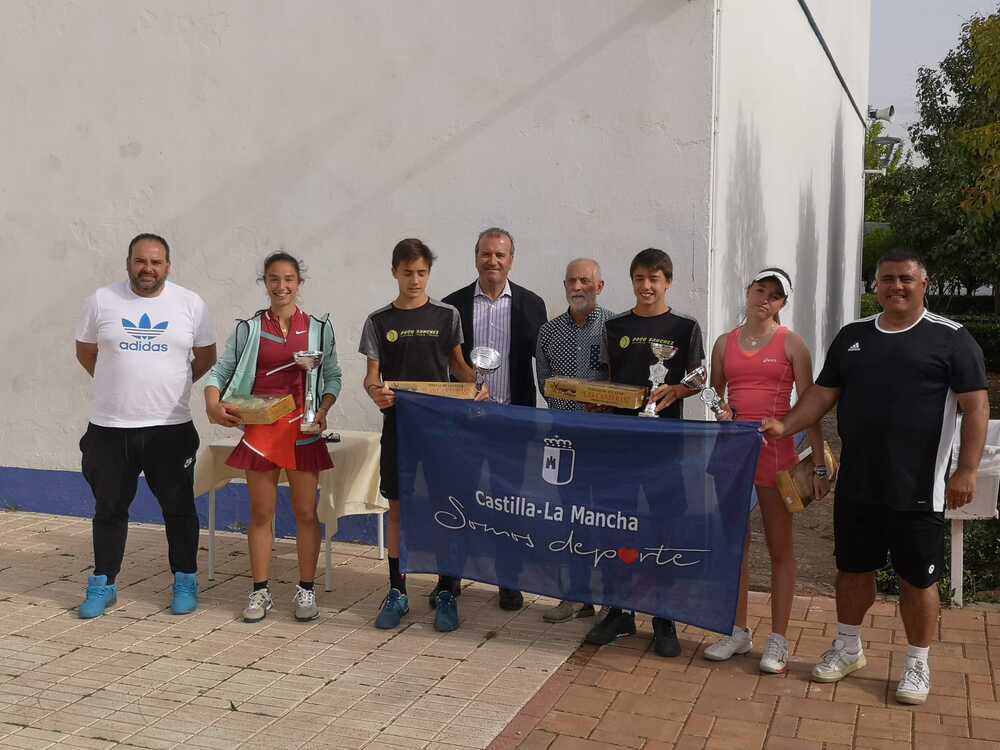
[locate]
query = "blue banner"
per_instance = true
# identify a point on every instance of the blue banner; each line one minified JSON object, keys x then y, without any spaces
{"x":643,"y":514}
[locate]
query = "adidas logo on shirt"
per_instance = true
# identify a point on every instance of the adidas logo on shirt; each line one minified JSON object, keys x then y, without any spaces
{"x":144,"y":332}
{"x":855,"y":347}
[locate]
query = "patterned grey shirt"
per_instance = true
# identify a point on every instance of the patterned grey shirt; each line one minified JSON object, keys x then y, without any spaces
{"x":568,"y":350}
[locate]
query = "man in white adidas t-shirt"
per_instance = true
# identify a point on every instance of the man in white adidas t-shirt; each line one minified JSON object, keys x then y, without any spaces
{"x":144,"y":341}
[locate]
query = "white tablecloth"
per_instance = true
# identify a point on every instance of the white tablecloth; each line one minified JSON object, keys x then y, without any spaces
{"x":350,"y":488}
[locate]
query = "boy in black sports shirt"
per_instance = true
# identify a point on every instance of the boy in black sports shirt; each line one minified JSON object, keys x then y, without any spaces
{"x":412,"y":338}
{"x":626,"y":351}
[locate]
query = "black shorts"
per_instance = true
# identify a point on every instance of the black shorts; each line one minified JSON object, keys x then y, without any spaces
{"x":388,"y":464}
{"x":865,"y":532}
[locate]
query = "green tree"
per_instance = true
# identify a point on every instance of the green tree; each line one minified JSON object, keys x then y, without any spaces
{"x":877,"y":242}
{"x":879,"y":191}
{"x":982,"y":200}
{"x":946,"y":206}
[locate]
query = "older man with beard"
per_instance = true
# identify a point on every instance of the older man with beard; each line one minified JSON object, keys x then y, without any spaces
{"x":570,"y":346}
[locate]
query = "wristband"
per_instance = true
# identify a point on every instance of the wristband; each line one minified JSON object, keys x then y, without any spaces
{"x":821,"y":472}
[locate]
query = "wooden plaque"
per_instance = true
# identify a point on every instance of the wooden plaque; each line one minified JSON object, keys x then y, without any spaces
{"x":600,"y":392}
{"x":795,"y":485}
{"x":261,"y":409}
{"x":448,"y":390}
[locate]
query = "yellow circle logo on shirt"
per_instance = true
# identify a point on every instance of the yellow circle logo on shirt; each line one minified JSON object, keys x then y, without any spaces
{"x":391,"y":336}
{"x":624,"y":341}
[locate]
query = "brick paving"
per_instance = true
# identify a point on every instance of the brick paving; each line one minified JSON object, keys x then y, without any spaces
{"x":623,"y":695}
{"x":140,"y":677}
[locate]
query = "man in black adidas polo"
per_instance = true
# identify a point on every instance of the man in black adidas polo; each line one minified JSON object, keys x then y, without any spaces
{"x":896,"y":378}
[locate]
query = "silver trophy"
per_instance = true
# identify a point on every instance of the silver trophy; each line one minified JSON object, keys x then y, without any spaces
{"x":697,"y":380}
{"x":485,"y":360}
{"x":657,"y":373}
{"x":310,"y":362}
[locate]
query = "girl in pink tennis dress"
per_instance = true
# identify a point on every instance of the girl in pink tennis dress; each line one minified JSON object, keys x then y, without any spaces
{"x":758,"y":362}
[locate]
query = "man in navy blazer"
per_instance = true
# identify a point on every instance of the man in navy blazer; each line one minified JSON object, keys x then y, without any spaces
{"x":505,"y":317}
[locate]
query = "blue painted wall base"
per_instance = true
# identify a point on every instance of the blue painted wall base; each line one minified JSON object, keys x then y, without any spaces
{"x":66,"y":493}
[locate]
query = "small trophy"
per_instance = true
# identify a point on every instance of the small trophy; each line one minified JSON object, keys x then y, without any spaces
{"x":657,"y":373}
{"x":309,"y":361}
{"x":485,"y":360}
{"x":710,"y":397}
{"x":696,"y":380}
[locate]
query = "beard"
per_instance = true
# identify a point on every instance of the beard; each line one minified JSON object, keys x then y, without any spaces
{"x":146,"y":283}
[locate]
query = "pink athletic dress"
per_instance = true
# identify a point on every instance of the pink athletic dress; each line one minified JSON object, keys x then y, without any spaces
{"x":303,"y":452}
{"x":760,"y":386}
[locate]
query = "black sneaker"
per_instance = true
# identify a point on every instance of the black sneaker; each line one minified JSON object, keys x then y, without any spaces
{"x":665,"y":641}
{"x":511,"y":600}
{"x":455,"y":589}
{"x":616,"y":624}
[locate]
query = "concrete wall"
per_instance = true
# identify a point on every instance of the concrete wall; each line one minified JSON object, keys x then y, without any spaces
{"x":788,"y":180}
{"x":333,"y":129}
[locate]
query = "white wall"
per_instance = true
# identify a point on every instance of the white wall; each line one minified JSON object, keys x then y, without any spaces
{"x":332,"y":129}
{"x":788,"y":170}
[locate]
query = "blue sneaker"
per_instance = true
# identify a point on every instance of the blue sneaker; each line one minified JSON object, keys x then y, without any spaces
{"x":446,"y":616}
{"x":185,"y":593}
{"x":394,"y":606}
{"x":100,"y":596}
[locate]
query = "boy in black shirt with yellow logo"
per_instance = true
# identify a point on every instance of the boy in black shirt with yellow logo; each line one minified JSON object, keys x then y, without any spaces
{"x":412,"y":338}
{"x":627,"y":353}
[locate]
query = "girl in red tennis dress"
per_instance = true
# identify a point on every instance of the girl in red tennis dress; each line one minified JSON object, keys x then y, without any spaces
{"x":258,"y":360}
{"x":759,"y":362}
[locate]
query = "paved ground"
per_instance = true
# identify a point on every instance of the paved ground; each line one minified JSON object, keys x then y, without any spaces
{"x":624,"y":695}
{"x":140,"y":677}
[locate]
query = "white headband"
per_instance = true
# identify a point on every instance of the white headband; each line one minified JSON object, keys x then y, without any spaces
{"x":786,"y":284}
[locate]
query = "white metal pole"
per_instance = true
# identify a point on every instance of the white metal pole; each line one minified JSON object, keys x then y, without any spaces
{"x":957,"y":562}
{"x":211,"y":533}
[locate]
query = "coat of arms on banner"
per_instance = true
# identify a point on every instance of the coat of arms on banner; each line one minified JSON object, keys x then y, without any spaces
{"x":558,"y":460}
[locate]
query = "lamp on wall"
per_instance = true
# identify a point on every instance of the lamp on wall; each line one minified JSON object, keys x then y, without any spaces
{"x":888,"y":144}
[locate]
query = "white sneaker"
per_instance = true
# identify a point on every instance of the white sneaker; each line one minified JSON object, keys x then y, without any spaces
{"x":305,"y":604}
{"x":915,"y":683}
{"x":774,"y":660}
{"x":837,"y":663}
{"x":737,"y":643}
{"x":257,"y":605}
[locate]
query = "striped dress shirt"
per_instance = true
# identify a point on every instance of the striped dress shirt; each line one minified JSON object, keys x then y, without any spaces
{"x":491,"y":327}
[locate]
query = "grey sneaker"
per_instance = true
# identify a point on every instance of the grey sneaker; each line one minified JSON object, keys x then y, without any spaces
{"x":305,"y":604}
{"x":774,"y":660}
{"x":561,"y":612}
{"x":726,"y":648}
{"x":915,"y":683}
{"x":837,"y":663}
{"x":257,"y":605}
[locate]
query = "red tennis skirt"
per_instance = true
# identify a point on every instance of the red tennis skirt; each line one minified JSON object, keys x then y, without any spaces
{"x":280,"y":446}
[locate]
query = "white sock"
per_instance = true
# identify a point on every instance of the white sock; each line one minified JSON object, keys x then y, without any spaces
{"x":779,"y":638}
{"x":737,"y":631}
{"x":851,"y":636}
{"x":915,"y":652}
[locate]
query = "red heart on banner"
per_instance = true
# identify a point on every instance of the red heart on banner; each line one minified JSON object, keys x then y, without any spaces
{"x":628,"y":555}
